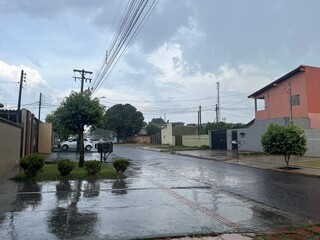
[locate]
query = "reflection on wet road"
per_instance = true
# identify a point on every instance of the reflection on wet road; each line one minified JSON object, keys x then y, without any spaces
{"x":163,"y":195}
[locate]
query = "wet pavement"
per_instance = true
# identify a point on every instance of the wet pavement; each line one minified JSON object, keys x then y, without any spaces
{"x":163,"y":195}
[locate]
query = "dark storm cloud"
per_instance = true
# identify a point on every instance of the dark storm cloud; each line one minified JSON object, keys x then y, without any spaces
{"x":247,"y":31}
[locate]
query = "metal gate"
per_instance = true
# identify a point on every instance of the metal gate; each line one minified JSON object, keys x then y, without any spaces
{"x":219,"y":140}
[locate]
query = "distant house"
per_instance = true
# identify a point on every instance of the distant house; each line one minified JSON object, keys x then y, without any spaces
{"x":172,"y":133}
{"x":292,"y":97}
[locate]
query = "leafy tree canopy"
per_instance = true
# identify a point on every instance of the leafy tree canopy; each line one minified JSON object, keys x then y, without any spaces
{"x":76,"y":112}
{"x":284,"y":140}
{"x":62,"y":133}
{"x":124,"y":119}
{"x":152,"y":129}
{"x":220,"y":126}
{"x":158,"y":121}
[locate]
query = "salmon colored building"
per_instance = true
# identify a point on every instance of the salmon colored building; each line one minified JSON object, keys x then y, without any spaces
{"x":295,"y":95}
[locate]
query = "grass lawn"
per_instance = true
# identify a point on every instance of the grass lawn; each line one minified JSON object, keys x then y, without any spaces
{"x":50,"y":173}
{"x":315,"y":163}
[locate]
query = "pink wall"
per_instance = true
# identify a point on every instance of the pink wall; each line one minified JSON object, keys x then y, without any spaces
{"x":307,"y":85}
{"x":277,"y":99}
{"x":313,"y":92}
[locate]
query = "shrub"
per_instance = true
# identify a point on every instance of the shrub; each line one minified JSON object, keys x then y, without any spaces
{"x":92,"y":167}
{"x":32,"y":164}
{"x":285,"y":141}
{"x":120,"y":165}
{"x":65,"y":166}
{"x":204,"y":147}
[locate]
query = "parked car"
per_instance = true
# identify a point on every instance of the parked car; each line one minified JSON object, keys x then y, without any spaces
{"x":72,"y":143}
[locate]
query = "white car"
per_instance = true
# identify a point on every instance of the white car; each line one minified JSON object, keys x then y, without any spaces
{"x":72,"y":143}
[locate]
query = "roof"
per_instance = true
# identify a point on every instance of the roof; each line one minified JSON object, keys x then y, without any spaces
{"x":299,"y":69}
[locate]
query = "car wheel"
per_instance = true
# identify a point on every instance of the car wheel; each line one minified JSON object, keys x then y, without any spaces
{"x":88,"y":148}
{"x":65,"y":147}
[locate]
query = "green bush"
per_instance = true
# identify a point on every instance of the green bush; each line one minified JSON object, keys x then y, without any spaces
{"x":92,"y":167}
{"x":120,"y":165}
{"x":32,"y":164}
{"x":204,"y":147}
{"x":65,"y":166}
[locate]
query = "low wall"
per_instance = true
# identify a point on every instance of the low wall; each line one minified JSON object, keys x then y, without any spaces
{"x":10,"y":145}
{"x":139,"y":139}
{"x":45,"y":134}
{"x":195,"y":140}
{"x":313,"y":142}
{"x":250,"y":138}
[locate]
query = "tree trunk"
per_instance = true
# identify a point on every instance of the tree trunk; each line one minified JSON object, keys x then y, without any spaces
{"x":287,"y":158}
{"x":81,"y":159}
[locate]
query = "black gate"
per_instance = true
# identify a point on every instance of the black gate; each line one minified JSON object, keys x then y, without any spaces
{"x":219,"y":140}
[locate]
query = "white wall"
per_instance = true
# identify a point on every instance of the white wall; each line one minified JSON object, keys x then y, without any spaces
{"x":195,"y":140}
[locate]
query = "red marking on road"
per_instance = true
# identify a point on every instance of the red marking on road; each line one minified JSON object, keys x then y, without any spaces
{"x":193,"y":205}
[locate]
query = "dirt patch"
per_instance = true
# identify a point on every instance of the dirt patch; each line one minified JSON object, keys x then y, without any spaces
{"x":289,"y":168}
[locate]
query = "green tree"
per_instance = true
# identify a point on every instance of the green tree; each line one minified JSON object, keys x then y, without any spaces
{"x":158,"y":121}
{"x":124,"y":120}
{"x":220,"y":126}
{"x":285,"y":141}
{"x":62,"y":133}
{"x":76,"y":112}
{"x":152,"y":129}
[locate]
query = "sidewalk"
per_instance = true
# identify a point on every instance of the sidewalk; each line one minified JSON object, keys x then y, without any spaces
{"x":302,"y":165}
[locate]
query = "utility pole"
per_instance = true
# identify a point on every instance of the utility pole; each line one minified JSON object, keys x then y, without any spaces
{"x":217,"y":118}
{"x":22,"y":79}
{"x":199,"y":120}
{"x":40,"y":103}
{"x":83,"y":77}
{"x":218,"y":103}
{"x":290,"y":103}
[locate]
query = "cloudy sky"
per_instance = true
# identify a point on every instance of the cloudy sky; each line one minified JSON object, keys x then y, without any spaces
{"x":172,"y":66}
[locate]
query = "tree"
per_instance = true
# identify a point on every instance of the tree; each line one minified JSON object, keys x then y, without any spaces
{"x":62,"y":133}
{"x":284,"y":140}
{"x":76,"y":112}
{"x":220,"y":126}
{"x":152,"y":129}
{"x":158,"y":121}
{"x":125,"y":120}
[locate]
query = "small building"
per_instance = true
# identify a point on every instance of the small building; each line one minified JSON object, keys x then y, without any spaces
{"x":292,"y":97}
{"x":172,"y":133}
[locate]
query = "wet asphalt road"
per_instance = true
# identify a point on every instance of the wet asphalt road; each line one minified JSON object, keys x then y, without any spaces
{"x":163,"y":195}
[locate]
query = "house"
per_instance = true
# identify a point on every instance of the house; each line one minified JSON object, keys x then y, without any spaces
{"x":292,"y":97}
{"x":302,"y":86}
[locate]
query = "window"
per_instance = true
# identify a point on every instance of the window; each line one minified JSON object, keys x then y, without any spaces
{"x":295,"y":100}
{"x":260,"y":104}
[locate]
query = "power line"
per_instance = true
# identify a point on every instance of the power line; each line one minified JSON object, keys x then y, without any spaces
{"x":128,"y":28}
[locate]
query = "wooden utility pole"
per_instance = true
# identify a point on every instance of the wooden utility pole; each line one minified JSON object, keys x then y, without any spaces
{"x":83,"y":77}
{"x":22,"y":79}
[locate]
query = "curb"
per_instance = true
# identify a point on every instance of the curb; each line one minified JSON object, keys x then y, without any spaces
{"x":226,"y":161}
